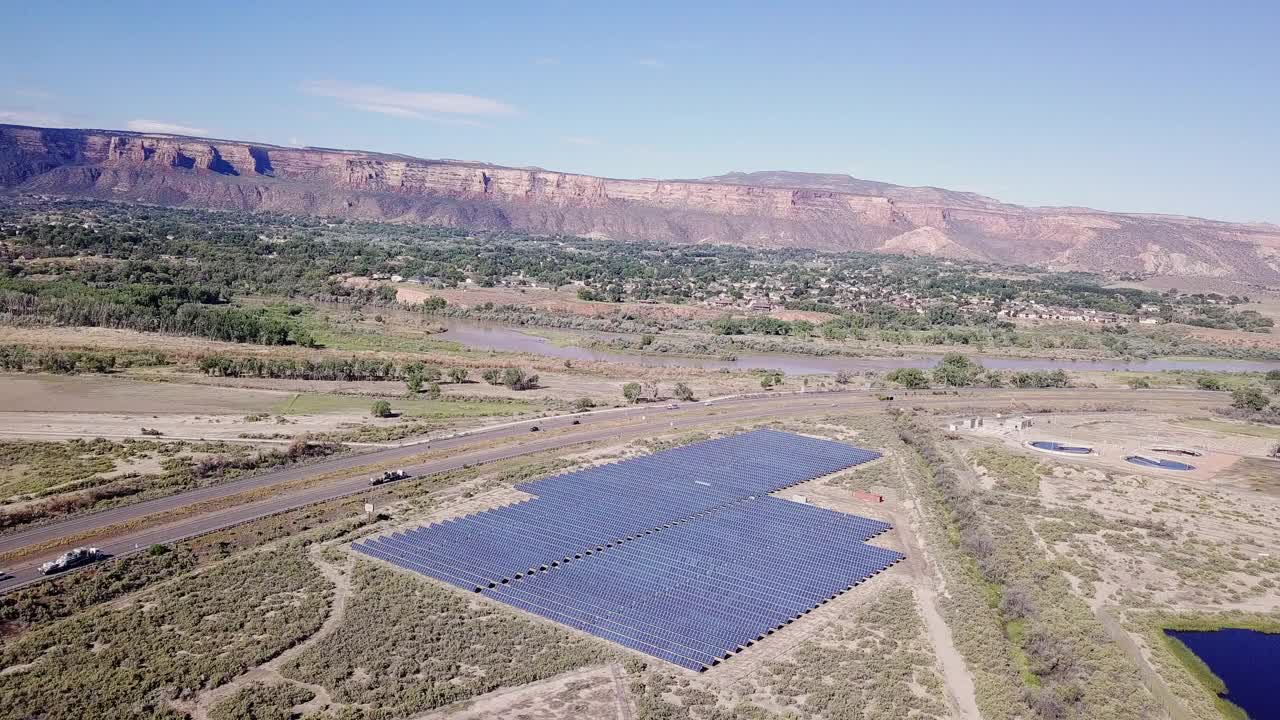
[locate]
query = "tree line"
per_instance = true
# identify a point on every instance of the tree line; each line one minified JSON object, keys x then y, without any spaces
{"x":179,"y":310}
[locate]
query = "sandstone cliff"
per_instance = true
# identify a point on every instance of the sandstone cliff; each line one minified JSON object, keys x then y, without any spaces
{"x":825,"y":212}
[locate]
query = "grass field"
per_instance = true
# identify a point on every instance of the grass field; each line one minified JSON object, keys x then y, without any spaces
{"x":1233,"y":428}
{"x":314,"y":404}
{"x":358,"y":331}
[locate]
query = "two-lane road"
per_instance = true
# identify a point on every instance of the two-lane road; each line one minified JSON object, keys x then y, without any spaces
{"x":474,"y":448}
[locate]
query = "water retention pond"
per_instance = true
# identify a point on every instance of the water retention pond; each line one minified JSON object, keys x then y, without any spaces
{"x":1245,"y":660}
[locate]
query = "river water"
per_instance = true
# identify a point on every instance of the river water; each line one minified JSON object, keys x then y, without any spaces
{"x":1246,"y":660}
{"x":502,"y":338}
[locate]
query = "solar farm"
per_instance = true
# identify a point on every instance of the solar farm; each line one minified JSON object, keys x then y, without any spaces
{"x":681,"y":554}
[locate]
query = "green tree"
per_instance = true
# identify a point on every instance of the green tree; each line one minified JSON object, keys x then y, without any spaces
{"x":682,"y":392}
{"x":381,"y":408}
{"x":1140,"y":383}
{"x":632,"y":392}
{"x":583,"y":404}
{"x":458,"y":375}
{"x":1249,"y":398}
{"x":433,"y":391}
{"x":517,"y":379}
{"x":913,"y":378}
{"x":1209,"y":382}
{"x":414,"y":383}
{"x":493,"y":376}
{"x":956,"y":370}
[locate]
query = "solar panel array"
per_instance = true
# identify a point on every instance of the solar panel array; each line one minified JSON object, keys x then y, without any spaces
{"x":680,"y":554}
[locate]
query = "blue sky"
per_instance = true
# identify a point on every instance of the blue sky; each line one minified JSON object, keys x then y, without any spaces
{"x":1137,"y":106}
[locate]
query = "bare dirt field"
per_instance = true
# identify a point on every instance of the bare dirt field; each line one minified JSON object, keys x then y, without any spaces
{"x":117,"y":394}
{"x":56,"y":407}
{"x":1115,"y":436}
{"x":594,"y":693}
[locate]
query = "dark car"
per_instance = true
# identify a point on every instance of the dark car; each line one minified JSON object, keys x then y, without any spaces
{"x":534,"y":428}
{"x":576,"y":422}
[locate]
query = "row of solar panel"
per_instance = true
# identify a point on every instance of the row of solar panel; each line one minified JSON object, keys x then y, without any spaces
{"x":508,"y":542}
{"x":743,"y":464}
{"x":682,"y":595}
{"x":686,"y":558}
{"x":700,"y":620}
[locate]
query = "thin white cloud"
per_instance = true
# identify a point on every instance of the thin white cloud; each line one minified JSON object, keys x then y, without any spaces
{"x":653,"y":63}
{"x":28,"y":118}
{"x":37,"y":94}
{"x":407,"y":103}
{"x":164,"y":128}
{"x":392,"y":110}
{"x":36,"y":118}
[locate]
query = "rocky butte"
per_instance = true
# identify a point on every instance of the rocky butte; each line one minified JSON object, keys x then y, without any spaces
{"x":768,"y":209}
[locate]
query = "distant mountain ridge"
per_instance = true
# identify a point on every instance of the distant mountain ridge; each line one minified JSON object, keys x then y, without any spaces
{"x":761,"y":209}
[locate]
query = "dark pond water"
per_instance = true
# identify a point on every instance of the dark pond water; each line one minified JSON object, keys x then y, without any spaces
{"x":1159,"y":463}
{"x":1248,"y":663}
{"x":491,"y":336}
{"x":1059,"y":447}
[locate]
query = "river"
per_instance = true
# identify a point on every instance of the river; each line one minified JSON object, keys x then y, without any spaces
{"x":502,"y":338}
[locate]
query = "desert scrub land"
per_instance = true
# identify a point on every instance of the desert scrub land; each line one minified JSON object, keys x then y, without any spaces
{"x":408,"y":644}
{"x":262,"y":702}
{"x":874,"y":662}
{"x":1034,"y":646}
{"x":131,"y":659}
{"x":868,"y":661}
{"x":43,"y":481}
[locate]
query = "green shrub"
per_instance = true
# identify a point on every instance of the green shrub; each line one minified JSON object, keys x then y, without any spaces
{"x":422,"y":646}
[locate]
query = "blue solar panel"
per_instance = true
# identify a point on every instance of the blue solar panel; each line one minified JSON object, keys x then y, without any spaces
{"x":681,"y":554}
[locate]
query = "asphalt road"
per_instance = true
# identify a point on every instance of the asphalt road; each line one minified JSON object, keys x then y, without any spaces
{"x":471,"y":450}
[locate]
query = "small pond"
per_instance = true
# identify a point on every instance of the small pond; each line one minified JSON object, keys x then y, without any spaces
{"x":1245,"y":660}
{"x":1059,"y":447}
{"x":1159,"y":463}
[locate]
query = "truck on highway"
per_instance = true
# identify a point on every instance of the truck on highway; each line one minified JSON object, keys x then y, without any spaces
{"x":388,"y":476}
{"x":71,"y":559}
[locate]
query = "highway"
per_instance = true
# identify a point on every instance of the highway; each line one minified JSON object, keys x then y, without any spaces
{"x":477,"y":447}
